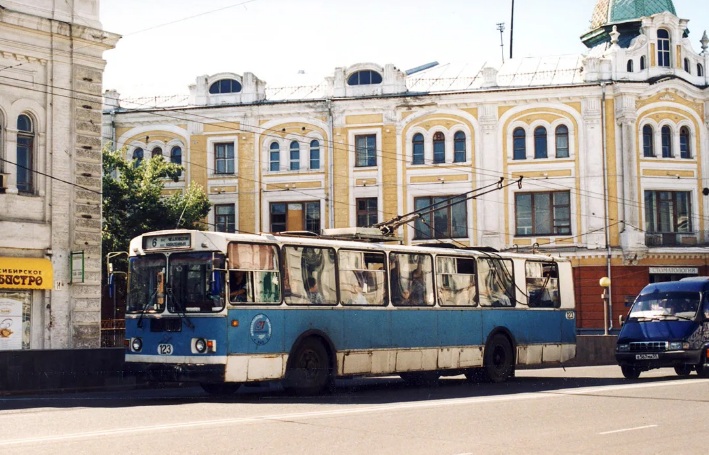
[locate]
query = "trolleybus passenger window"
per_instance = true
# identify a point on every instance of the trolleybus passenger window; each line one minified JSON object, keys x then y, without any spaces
{"x":362,"y":277}
{"x":456,"y":281}
{"x":254,"y":276}
{"x":309,"y":275}
{"x":542,"y":284}
{"x":411,"y":279}
{"x":496,"y":282}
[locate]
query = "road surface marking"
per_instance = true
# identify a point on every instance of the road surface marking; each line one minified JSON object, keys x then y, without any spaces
{"x":41,"y":439}
{"x":629,"y":429}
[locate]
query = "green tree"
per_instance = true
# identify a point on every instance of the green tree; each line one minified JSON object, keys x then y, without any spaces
{"x":134,"y":200}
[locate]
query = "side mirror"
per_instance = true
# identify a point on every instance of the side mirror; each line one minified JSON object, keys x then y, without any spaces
{"x":621,"y":319}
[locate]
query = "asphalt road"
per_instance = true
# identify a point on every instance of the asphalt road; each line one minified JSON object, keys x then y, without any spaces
{"x":580,"y":410}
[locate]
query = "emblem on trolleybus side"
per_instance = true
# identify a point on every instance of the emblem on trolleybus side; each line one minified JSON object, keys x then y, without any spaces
{"x":260,"y":329}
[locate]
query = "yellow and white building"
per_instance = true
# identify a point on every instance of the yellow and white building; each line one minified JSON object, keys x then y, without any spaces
{"x":50,"y":173}
{"x":611,"y":148}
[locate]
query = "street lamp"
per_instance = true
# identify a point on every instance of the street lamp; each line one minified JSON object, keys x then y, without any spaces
{"x":605,"y":283}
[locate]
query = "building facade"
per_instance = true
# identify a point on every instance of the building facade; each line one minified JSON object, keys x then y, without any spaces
{"x":603,"y":157}
{"x":50,"y":173}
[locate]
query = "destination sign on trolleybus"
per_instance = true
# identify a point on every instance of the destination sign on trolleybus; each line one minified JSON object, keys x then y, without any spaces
{"x":166,"y":241}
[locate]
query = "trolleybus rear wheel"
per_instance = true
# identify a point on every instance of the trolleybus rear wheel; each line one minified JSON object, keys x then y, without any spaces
{"x":309,"y":370}
{"x":498,"y":359}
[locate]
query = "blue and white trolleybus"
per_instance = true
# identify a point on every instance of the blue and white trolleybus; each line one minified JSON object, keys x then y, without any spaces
{"x":223,"y":309}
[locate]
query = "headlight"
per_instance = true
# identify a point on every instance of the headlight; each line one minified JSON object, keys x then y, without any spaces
{"x":678,"y":346}
{"x":623,"y":347}
{"x":200,"y":345}
{"x":136,"y":344}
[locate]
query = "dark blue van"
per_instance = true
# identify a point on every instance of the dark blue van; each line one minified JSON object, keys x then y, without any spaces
{"x":667,"y":326}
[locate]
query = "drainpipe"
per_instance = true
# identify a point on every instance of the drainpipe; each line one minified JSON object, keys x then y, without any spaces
{"x":331,"y":166}
{"x":607,"y":323}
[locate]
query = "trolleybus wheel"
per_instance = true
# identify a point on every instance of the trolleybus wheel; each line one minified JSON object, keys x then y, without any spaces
{"x":420,"y":378}
{"x":222,"y":388}
{"x":630,"y":372}
{"x":684,"y":370}
{"x":498,"y":359}
{"x":309,"y":370}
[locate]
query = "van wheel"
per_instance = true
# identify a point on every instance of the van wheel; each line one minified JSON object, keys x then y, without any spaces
{"x":421,"y":378}
{"x":498,"y":359}
{"x":309,"y":369}
{"x":683,"y":370}
{"x":222,"y":388}
{"x":630,"y":372}
{"x":702,"y":367}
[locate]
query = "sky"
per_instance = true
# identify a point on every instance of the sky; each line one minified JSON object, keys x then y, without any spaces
{"x":167,"y":44}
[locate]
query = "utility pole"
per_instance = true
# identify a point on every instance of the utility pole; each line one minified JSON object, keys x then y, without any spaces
{"x":501,"y":28}
{"x":512,"y":27}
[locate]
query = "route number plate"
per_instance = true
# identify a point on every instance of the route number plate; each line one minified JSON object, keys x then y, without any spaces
{"x":165,"y":349}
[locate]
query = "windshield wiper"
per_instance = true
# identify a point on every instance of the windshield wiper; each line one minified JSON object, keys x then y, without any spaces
{"x":179,"y":306}
{"x":145,"y":308}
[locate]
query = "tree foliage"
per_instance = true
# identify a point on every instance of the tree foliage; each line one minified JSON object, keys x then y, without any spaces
{"x":134,"y":200}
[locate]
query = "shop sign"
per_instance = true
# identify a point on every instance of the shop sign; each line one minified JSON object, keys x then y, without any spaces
{"x":25,"y":273}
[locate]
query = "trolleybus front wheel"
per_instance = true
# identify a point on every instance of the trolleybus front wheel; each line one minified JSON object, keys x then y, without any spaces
{"x":309,"y":370}
{"x":498,"y":360}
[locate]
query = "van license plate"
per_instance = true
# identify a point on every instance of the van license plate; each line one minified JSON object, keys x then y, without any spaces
{"x":647,"y":356}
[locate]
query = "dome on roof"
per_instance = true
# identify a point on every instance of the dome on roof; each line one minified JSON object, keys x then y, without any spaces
{"x":615,"y":11}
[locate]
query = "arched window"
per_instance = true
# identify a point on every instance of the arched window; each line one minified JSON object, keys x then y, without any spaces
{"x":137,"y":156}
{"x":439,"y":147}
{"x":225,"y":86}
{"x":364,"y":77}
{"x":648,"y":144}
{"x":459,"y":155}
{"x":685,"y":146}
{"x":157,"y":151}
{"x":25,"y":154}
{"x":666,"y":141}
{"x":176,"y":157}
{"x":519,"y":144}
{"x":562,"y":141}
{"x":700,"y":69}
{"x":417,"y":149}
{"x":686,"y":66}
{"x":294,"y":156}
{"x":629,"y":67}
{"x":663,"y":48}
{"x":314,"y":154}
{"x":275,"y":157}
{"x":540,"y":142}
{"x":643,"y":65}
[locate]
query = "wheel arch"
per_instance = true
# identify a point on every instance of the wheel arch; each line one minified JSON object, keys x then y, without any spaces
{"x":323,"y":338}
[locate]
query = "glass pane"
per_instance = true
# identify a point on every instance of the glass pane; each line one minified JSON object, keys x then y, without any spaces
{"x":542,"y":213}
{"x":309,"y":276}
{"x":496,"y":282}
{"x":411,"y":279}
{"x":523,"y":214}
